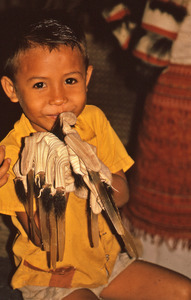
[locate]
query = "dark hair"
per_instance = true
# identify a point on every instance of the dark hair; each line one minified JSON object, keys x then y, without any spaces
{"x":48,"y":32}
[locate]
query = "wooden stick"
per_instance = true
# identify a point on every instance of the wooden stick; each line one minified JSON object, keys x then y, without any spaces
{"x":53,"y":239}
{"x":44,"y":226}
{"x":30,"y":209}
{"x":61,"y":236}
{"x":94,"y":229}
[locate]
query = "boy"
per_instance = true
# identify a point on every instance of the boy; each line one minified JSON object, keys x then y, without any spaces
{"x":48,"y":73}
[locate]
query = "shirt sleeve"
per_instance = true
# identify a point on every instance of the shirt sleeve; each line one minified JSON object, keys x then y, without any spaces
{"x":110,"y":149}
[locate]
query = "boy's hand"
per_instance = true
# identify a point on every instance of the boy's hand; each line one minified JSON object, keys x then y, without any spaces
{"x":4,"y":166}
{"x":120,"y":188}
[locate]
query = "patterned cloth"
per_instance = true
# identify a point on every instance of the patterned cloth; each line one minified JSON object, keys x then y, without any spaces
{"x":160,"y":189}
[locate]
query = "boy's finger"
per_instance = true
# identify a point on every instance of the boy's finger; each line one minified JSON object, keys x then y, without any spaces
{"x":4,"y":179}
{"x":4,"y":167}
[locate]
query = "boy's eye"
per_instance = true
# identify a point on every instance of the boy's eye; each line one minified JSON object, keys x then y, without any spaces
{"x":39,"y":85}
{"x":70,"y":80}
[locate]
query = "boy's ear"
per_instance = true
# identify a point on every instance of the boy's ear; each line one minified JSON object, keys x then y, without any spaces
{"x":9,"y":88}
{"x":88,"y":74}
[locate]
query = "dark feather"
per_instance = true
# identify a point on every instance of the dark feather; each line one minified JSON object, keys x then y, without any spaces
{"x":78,"y":180}
{"x":59,"y":201}
{"x":57,"y":129}
{"x":47,"y":200}
{"x":177,"y":11}
{"x":20,"y":191}
{"x":161,"y":46}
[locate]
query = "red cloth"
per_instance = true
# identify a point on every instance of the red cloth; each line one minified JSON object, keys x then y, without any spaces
{"x":160,"y":185}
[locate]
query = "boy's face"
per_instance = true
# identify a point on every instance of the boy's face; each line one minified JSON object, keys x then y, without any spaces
{"x":49,"y":83}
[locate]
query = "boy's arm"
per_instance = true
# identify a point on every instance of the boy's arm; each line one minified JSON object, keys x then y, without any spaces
{"x":4,"y":166}
{"x":120,"y":188}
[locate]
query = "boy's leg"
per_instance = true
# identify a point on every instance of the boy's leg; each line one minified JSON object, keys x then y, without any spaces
{"x":146,"y":281}
{"x":81,"y":294}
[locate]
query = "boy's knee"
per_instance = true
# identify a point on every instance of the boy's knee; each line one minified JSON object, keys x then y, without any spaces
{"x":184,"y":292}
{"x":187,"y":293}
{"x":81,"y":294}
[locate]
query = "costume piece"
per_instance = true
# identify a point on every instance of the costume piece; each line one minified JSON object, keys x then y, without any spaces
{"x":160,"y":201}
{"x":146,"y":36}
{"x":119,"y":17}
{"x":54,"y":167}
{"x":160,"y":23}
{"x":74,"y":270}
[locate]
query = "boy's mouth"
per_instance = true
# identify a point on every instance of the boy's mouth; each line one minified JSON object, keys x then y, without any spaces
{"x":54,"y":116}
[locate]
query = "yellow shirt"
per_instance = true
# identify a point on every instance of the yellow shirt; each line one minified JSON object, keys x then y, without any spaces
{"x":82,"y":266}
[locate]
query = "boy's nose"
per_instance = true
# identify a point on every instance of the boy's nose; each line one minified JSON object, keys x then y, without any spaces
{"x":58,"y":97}
{"x":57,"y":101}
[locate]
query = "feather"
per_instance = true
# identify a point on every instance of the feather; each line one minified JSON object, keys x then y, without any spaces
{"x":161,"y":46}
{"x":53,"y":239}
{"x":59,"y":201}
{"x":94,"y":229}
{"x":44,"y":226}
{"x":20,"y":190}
{"x":61,"y":236}
{"x":113,"y":214}
{"x":46,"y":197}
{"x":57,"y":129}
